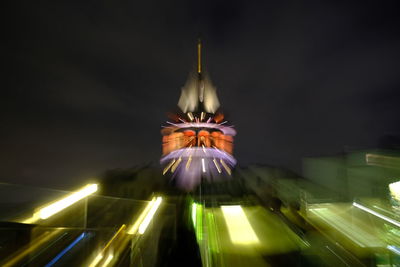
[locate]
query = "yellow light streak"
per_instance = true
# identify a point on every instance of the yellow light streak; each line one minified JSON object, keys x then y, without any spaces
{"x":239,"y":228}
{"x":216,"y":165}
{"x":202,"y":115}
{"x":100,"y":256}
{"x":32,"y":219}
{"x":188,"y":162}
{"x":176,"y":164}
{"x":30,"y":248}
{"x":108,"y":260}
{"x":149,"y":216}
{"x":190,"y":115}
{"x":135,"y":226}
{"x":96,"y":260}
{"x":168,"y":166}
{"x":228,"y":170}
{"x":61,"y":204}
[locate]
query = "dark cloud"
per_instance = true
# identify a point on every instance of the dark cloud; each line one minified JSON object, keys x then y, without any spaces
{"x":88,"y":84}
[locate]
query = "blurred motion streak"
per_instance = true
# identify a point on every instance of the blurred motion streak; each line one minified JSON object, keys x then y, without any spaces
{"x":197,"y":213}
{"x":30,"y":248}
{"x":228,"y":170}
{"x":361,"y":238}
{"x":176,"y":164}
{"x":383,"y":217}
{"x":203,"y":166}
{"x":64,"y":251}
{"x":382,"y":160}
{"x":394,"y":249}
{"x":394,"y":189}
{"x":63,"y":203}
{"x":149,"y":216}
{"x":240,"y":230}
{"x":168,"y":166}
{"x":100,"y":256}
{"x":217,"y":166}
{"x":145,"y":217}
{"x":194,"y":211}
{"x":108,"y":260}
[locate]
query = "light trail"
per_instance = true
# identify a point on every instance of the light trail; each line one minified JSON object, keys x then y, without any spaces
{"x":394,"y":249}
{"x":149,"y":216}
{"x":228,"y":170}
{"x":176,"y":164}
{"x":64,"y":251}
{"x":145,"y":217}
{"x":383,"y":217}
{"x":30,"y":248}
{"x":217,"y":166}
{"x":168,"y":166}
{"x":188,"y":162}
{"x":203,"y":165}
{"x":100,"y":256}
{"x":61,"y":204}
{"x":239,"y":228}
{"x":108,"y":260}
{"x":190,"y":115}
{"x":57,"y":206}
{"x":137,"y":223}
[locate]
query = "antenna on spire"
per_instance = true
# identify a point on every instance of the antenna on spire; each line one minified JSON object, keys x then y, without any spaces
{"x":199,"y":56}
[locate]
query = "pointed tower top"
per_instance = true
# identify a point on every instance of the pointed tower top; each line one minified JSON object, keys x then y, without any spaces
{"x":199,"y":56}
{"x":198,"y":94}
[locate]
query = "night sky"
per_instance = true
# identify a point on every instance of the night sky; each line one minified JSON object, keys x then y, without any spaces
{"x":88,"y":83}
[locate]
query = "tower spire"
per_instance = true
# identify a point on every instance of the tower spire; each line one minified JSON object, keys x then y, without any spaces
{"x":199,"y":56}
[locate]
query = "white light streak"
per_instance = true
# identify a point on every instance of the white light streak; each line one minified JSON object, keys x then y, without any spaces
{"x":383,"y":217}
{"x":393,"y":249}
{"x":172,"y":123}
{"x":203,"y":165}
{"x":394,"y":189}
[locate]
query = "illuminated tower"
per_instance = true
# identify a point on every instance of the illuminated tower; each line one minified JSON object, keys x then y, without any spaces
{"x":198,"y":143}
